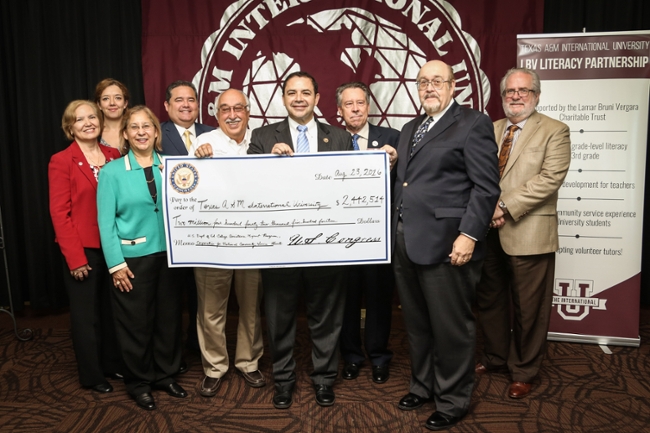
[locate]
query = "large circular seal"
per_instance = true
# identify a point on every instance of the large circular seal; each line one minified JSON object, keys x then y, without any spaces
{"x":260,"y":42}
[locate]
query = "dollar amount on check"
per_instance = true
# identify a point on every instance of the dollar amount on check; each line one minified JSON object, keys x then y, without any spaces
{"x":261,"y":211}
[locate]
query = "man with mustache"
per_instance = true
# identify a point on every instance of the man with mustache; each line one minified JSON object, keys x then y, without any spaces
{"x":374,"y":282}
{"x":323,"y":287}
{"x":178,"y":134}
{"x":445,"y":191}
{"x":517,"y":280}
{"x":213,"y":285}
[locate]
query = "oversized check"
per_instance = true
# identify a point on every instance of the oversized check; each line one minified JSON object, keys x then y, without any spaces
{"x":261,"y":211}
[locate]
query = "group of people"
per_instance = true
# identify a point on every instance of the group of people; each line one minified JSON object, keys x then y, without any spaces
{"x":474,"y":223}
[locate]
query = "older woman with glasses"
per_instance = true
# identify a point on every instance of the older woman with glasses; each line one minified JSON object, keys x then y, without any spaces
{"x":146,"y":301}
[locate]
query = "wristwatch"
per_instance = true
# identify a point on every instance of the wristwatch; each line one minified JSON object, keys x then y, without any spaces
{"x":503,"y":207}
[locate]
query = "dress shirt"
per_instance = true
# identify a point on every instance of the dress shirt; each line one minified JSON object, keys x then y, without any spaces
{"x":181,"y":132}
{"x":221,"y":143}
{"x":364,"y":134}
{"x":312,"y":134}
{"x":517,"y":132}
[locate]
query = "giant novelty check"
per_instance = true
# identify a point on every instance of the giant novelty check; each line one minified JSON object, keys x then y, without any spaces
{"x":262,"y":211}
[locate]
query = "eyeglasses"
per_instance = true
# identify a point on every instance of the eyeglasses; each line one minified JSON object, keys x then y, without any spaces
{"x":224,"y":109}
{"x":135,"y":127}
{"x":521,"y":92}
{"x":436,"y":83}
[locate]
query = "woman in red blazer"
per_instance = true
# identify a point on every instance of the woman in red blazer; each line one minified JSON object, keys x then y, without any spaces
{"x":73,"y":207}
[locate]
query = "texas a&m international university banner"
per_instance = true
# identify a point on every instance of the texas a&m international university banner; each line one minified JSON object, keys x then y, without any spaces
{"x":599,"y":85}
{"x":253,"y":45}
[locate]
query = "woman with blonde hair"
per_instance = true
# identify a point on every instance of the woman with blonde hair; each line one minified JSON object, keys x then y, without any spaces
{"x":72,"y":177}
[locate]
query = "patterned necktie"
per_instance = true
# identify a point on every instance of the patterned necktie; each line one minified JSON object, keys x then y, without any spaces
{"x":420,"y":133}
{"x":188,"y":142}
{"x":303,"y":143}
{"x":505,"y":148}
{"x":355,"y":143}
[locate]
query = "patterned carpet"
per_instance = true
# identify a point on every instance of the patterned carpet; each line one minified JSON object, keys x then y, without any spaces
{"x":580,"y":389}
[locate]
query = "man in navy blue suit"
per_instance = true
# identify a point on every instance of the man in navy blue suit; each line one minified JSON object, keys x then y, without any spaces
{"x":375,"y":282}
{"x":446,"y":189}
{"x":181,"y":130}
{"x":178,"y":134}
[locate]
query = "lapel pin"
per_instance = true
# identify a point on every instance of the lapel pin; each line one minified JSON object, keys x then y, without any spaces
{"x":326,"y":140}
{"x":375,"y":144}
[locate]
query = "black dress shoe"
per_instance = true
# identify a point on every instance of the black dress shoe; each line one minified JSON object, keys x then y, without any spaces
{"x":116,"y":376}
{"x":102,"y":387}
{"x":183,"y":368}
{"x":324,"y":395}
{"x":145,"y":401}
{"x":441,"y":421}
{"x":282,"y":399}
{"x":173,"y":389}
{"x":411,"y":401}
{"x":350,"y":370}
{"x":380,"y":373}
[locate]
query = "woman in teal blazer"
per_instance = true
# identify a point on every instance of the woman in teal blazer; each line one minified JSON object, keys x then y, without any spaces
{"x":146,"y":299}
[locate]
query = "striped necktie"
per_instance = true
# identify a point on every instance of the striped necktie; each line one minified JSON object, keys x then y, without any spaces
{"x":303,"y":143}
{"x":504,"y":154}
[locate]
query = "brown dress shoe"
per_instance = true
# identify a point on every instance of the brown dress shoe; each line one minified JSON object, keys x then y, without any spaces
{"x":209,"y":386}
{"x":254,"y":379}
{"x":519,"y":389}
{"x":480,"y":368}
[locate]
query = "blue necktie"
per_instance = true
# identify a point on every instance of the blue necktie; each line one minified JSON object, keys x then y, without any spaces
{"x":355,"y":144}
{"x":303,"y":143}
{"x":420,"y":133}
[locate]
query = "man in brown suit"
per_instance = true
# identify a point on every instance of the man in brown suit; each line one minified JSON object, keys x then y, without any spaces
{"x":534,"y":157}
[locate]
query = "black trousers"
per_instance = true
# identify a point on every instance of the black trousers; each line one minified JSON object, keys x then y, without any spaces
{"x":375,"y":283}
{"x":91,"y":318}
{"x":148,"y":323}
{"x":324,"y":291}
{"x":437,"y":305}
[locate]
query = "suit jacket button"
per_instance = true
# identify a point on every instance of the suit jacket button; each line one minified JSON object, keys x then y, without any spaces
{"x":132,"y":242}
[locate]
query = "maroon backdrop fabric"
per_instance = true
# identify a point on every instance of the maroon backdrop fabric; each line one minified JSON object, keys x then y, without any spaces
{"x":380,"y":42}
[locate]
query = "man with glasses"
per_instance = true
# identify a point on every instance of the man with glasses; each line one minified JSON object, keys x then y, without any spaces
{"x":517,"y":279}
{"x":213,"y":285}
{"x":447,"y":185}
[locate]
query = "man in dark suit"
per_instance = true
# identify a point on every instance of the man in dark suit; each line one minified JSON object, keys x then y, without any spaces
{"x":517,"y":279}
{"x":178,"y":134}
{"x":323,"y":287}
{"x":181,"y":130}
{"x":375,"y":281}
{"x":447,"y":185}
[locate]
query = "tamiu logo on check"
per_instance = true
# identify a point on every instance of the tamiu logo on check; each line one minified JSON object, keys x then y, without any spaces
{"x":260,"y":42}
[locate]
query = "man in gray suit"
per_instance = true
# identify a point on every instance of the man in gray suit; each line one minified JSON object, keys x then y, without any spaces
{"x":323,"y":287}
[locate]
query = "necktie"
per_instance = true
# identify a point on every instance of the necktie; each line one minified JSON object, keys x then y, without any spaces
{"x":188,"y":142}
{"x":355,"y":143}
{"x":505,"y":148}
{"x":303,"y":143}
{"x":420,"y":133}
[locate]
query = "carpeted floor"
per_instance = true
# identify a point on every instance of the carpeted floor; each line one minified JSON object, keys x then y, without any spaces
{"x":580,"y":389}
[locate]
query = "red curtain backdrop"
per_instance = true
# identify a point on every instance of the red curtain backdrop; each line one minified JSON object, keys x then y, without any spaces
{"x":253,"y":44}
